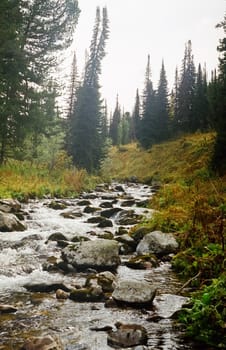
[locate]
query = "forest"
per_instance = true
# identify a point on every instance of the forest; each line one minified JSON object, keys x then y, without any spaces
{"x":59,"y":150}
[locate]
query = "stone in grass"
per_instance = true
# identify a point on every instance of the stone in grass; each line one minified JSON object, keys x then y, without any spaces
{"x":158,"y":243}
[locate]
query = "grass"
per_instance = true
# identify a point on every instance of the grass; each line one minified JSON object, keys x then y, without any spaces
{"x":23,"y":180}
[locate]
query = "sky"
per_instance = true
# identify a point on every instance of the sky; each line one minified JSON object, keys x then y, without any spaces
{"x":156,"y":27}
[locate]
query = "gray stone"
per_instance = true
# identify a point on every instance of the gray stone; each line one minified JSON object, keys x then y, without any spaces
{"x":158,"y":243}
{"x":127,"y":335}
{"x":138,"y":292}
{"x":100,"y":254}
{"x":9,"y":223}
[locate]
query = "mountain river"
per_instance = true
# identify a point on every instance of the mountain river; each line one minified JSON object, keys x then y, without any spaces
{"x":23,"y":256}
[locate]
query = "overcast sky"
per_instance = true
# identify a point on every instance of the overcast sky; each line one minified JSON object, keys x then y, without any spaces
{"x":156,"y":27}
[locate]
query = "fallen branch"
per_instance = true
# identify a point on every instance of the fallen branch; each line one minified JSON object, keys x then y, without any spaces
{"x":188,"y":282}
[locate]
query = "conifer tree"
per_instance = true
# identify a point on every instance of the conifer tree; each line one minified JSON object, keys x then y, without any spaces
{"x":136,"y":119}
{"x":162,"y":108}
{"x":186,"y":91}
{"x":114,"y":131}
{"x":200,"y":119}
{"x":147,"y":137}
{"x":87,"y":144}
{"x":219,"y":156}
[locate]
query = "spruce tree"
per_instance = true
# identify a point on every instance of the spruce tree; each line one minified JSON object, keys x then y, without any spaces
{"x":87,"y":144}
{"x":219,"y":156}
{"x":136,"y":119}
{"x":200,"y":119}
{"x":162,"y":108}
{"x":185,"y":118}
{"x":147,"y":131}
{"x":114,"y":131}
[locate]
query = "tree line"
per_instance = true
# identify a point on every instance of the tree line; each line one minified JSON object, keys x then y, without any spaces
{"x":31,"y":34}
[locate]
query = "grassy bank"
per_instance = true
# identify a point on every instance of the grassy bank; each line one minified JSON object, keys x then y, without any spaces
{"x":23,"y":180}
{"x":191,"y":202}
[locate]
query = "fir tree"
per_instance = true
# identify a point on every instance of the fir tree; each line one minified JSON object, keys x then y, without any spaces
{"x":87,"y":144}
{"x":136,"y":119}
{"x":147,"y":137}
{"x":219,"y":156}
{"x":200,"y":119}
{"x":162,"y":108}
{"x":114,"y":131}
{"x":186,"y":90}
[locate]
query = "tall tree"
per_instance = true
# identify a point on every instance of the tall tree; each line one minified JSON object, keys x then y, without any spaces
{"x":148,"y":110}
{"x":136,"y":119}
{"x":162,"y":108}
{"x":219,"y":156}
{"x":200,"y":118}
{"x":87,"y":144}
{"x":39,"y":29}
{"x":114,"y":131}
{"x":186,"y":91}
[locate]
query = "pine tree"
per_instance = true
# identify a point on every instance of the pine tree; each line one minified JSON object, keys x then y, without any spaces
{"x":200,"y":119}
{"x":87,"y":144}
{"x":147,"y":137}
{"x":186,"y":90}
{"x":162,"y":108}
{"x":219,"y":156}
{"x":114,"y":131}
{"x":136,"y":119}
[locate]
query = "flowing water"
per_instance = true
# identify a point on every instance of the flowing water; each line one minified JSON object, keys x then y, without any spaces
{"x":22,"y":255}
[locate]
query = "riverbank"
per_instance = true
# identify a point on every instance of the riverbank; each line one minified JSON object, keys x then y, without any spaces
{"x":190,"y":202}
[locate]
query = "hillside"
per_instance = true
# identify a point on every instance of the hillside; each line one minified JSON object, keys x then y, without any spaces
{"x":191,"y":203}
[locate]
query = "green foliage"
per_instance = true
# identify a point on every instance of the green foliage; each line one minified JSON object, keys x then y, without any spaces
{"x":205,"y":320}
{"x":207,"y":259}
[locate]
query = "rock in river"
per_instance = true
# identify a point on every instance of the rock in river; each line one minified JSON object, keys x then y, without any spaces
{"x":127,"y":335}
{"x":47,"y":342}
{"x":9,"y":223}
{"x":101,"y":254}
{"x":136,"y":293}
{"x":158,"y":243}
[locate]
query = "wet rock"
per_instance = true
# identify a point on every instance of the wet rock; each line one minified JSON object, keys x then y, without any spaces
{"x":89,"y":196}
{"x":61,"y":294}
{"x":142,"y":262}
{"x":143,"y":204}
{"x":121,"y":231}
{"x":84,"y":202}
{"x":106,"y":205}
{"x":138,"y":233}
{"x":88,"y":294}
{"x":128,"y":217}
{"x":105,"y":223}
{"x":71,"y":214}
{"x":58,"y":236}
{"x":90,"y":209}
{"x":80,"y":239}
{"x":106,"y":235}
{"x":127,"y":335}
{"x":158,"y":243}
{"x":119,"y":188}
{"x":126,"y":239}
{"x":9,"y":223}
{"x":110,"y":212}
{"x":128,"y":203}
{"x":109,"y":197}
{"x":7,"y":309}
{"x":45,"y":287}
{"x":106,"y":280}
{"x":136,"y":293}
{"x":10,"y":205}
{"x":57,"y":205}
{"x":47,"y":342}
{"x":100,"y":254}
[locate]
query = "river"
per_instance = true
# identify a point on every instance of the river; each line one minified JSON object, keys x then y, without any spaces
{"x":23,"y":255}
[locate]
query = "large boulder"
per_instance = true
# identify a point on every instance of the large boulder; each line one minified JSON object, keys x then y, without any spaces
{"x":137,"y":293}
{"x":10,"y":205}
{"x":9,"y":222}
{"x":158,"y":243}
{"x":100,"y":254}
